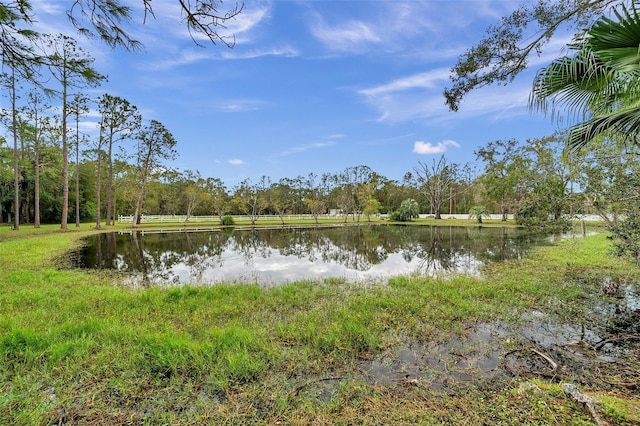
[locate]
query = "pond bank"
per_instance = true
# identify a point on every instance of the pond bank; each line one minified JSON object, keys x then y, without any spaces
{"x":273,"y":256}
{"x":76,"y":349}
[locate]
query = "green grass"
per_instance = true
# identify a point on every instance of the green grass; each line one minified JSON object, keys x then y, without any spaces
{"x":75,"y":348}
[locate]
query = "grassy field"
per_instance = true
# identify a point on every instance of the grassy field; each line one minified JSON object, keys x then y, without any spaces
{"x":76,"y":349}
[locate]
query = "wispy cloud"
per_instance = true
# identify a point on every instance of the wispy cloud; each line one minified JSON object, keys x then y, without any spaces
{"x":285,"y":51}
{"x":252,"y":16}
{"x":171,"y":16}
{"x":49,"y":7}
{"x":419,"y":98}
{"x":408,"y":98}
{"x":348,"y":36}
{"x":389,"y":27}
{"x":241,"y":105}
{"x":185,"y":57}
{"x":425,"y":80}
{"x":427,"y":148}
{"x":305,"y":147}
{"x":236,"y":162}
{"x":190,"y":56}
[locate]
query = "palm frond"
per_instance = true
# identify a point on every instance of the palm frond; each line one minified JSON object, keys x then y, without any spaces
{"x":617,"y":42}
{"x":580,"y":84}
{"x":600,"y":84}
{"x":623,"y":123}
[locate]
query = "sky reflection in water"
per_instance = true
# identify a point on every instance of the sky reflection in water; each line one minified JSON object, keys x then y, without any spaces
{"x":273,"y":256}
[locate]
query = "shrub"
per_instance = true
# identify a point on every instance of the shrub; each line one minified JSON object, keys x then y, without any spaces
{"x":408,"y":210}
{"x":227,"y":220}
{"x":395,"y":216}
{"x":626,"y":236}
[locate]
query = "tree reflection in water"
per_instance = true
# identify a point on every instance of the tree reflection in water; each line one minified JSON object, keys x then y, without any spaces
{"x":271,"y":256}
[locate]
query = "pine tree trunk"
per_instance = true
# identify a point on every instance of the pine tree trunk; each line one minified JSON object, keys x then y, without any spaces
{"x":36,"y":180}
{"x":77,"y":175}
{"x":109,"y":182}
{"x":16,"y":169}
{"x":65,"y":156}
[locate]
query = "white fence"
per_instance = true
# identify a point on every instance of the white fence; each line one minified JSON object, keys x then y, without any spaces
{"x":464,"y":216}
{"x":303,"y":217}
{"x":208,"y":219}
{"x":169,"y":219}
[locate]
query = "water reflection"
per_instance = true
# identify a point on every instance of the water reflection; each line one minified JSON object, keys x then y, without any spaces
{"x":270,"y":256}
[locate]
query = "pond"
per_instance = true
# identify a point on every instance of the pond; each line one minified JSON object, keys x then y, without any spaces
{"x":280,"y":255}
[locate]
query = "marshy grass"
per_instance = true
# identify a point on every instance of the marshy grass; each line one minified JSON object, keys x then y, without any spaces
{"x":76,"y":348}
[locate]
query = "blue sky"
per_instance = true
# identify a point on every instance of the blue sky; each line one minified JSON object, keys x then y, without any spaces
{"x":315,"y":86}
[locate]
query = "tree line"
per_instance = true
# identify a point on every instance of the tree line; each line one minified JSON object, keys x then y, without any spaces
{"x":591,"y":168}
{"x":43,"y":125}
{"x":126,"y":169}
{"x":44,"y":78}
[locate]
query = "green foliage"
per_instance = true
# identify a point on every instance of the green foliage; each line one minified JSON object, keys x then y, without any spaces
{"x":531,"y":180}
{"x":626,"y":236}
{"x":409,"y":209}
{"x":534,"y":215}
{"x":227,"y":220}
{"x":599,"y":82}
{"x":395,"y":216}
{"x":506,"y":167}
{"x":506,"y":47}
{"x":371,"y":207}
{"x":478,"y":212}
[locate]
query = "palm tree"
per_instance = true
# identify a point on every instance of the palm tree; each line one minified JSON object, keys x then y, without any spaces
{"x":478,"y":212}
{"x":600,"y":84}
{"x":409,"y":209}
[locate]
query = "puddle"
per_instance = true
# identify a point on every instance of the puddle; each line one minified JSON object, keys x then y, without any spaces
{"x":469,"y":359}
{"x":537,"y":345}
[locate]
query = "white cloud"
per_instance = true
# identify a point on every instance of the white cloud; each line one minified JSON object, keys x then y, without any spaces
{"x":248,"y":20}
{"x":285,"y":51}
{"x":191,"y":56}
{"x":236,"y":162}
{"x":49,"y":7}
{"x":425,"y":80}
{"x":241,"y":105}
{"x":419,"y":97}
{"x":349,"y":36}
{"x":427,"y":148}
{"x":306,"y":147}
{"x":408,"y":28}
{"x":171,"y":17}
{"x":185,"y":57}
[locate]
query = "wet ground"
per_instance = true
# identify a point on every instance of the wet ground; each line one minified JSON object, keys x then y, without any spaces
{"x":602,"y":346}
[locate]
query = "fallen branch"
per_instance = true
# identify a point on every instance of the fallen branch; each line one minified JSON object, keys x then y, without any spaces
{"x":588,"y":402}
{"x":518,"y":371}
{"x":615,"y":339}
{"x":554,"y":366}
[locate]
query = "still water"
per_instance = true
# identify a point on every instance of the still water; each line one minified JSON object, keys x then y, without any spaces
{"x":272,"y":256}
